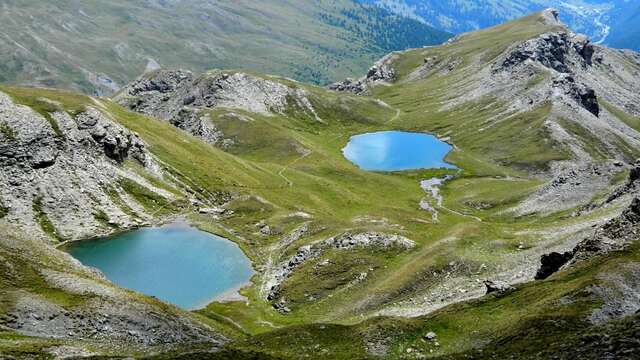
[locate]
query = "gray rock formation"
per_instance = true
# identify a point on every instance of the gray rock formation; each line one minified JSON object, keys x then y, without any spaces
{"x":571,"y":185}
{"x":370,"y":239}
{"x":615,"y":235}
{"x":497,"y":287}
{"x":381,"y":72}
{"x":552,"y":262}
{"x":180,"y":97}
{"x":61,"y":174}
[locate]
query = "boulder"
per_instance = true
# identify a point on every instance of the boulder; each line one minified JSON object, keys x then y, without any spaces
{"x":497,"y":287}
{"x":430,"y":336}
{"x":550,"y":263}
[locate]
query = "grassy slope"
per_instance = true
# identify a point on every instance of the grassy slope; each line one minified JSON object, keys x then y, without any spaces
{"x":60,"y":43}
{"x":536,"y":320}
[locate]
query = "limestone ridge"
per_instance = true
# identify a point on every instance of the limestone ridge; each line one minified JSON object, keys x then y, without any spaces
{"x":58,"y":168}
{"x":566,"y":70}
{"x":180,"y":97}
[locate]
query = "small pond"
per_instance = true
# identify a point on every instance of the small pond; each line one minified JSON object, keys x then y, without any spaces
{"x":397,"y":151}
{"x":175,"y":263}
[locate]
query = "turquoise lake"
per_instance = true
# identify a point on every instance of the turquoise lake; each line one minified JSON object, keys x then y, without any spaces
{"x":177,"y":264}
{"x":396,"y":151}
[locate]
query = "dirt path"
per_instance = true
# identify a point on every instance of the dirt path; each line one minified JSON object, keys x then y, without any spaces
{"x":286,"y":167}
{"x":395,"y":117}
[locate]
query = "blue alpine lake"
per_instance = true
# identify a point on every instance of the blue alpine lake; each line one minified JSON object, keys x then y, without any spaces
{"x":397,"y":151}
{"x":176,"y":263}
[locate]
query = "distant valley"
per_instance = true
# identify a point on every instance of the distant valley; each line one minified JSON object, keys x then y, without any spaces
{"x":98,"y":46}
{"x":612,"y":22}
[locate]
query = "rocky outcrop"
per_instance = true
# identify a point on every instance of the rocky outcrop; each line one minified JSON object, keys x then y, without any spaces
{"x":61,"y":174}
{"x":346,"y":241}
{"x":559,"y":51}
{"x":160,"y":81}
{"x":179,"y":96}
{"x":615,"y":235}
{"x":370,"y":239}
{"x":631,"y":186}
{"x":381,"y":72}
{"x":551,"y":263}
{"x":498,"y":288}
{"x":117,"y":142}
{"x":571,"y":185}
{"x":550,"y":50}
{"x":564,"y":54}
{"x":578,"y":92}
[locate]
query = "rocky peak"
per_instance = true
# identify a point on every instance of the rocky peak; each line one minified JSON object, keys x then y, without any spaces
{"x":551,"y":16}
{"x":162,"y":81}
{"x":179,"y":97}
{"x":560,"y":51}
{"x":381,"y":71}
{"x":565,"y":55}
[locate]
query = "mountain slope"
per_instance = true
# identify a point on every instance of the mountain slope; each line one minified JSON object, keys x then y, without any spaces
{"x":101,"y":45}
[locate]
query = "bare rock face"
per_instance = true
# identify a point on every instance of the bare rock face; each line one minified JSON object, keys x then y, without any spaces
{"x":564,"y":54}
{"x":60,"y":175}
{"x":559,"y":51}
{"x":161,"y":81}
{"x":549,"y":50}
{"x":381,"y":72}
{"x":630,"y":187}
{"x":117,"y":143}
{"x":615,"y":235}
{"x":497,"y":287}
{"x":550,"y":263}
{"x":178,"y":96}
{"x":580,"y":93}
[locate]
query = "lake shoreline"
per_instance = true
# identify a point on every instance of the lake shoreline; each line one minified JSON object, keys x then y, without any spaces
{"x":174,"y":261}
{"x":396,"y":151}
